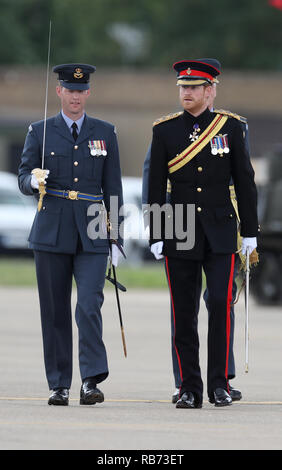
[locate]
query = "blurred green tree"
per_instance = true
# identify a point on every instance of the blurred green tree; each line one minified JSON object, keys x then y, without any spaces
{"x":246,"y":34}
{"x":24,"y":28}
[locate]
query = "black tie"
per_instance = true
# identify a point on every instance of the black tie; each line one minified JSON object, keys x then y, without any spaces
{"x":74,"y":130}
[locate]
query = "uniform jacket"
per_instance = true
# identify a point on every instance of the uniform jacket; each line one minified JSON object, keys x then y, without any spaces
{"x":146,"y":166}
{"x":204,"y":182}
{"x":61,"y":221}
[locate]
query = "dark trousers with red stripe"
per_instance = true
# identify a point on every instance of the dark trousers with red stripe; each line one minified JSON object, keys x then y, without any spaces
{"x":183,"y":279}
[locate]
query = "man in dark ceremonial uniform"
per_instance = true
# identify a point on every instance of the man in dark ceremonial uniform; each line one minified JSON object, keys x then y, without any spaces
{"x":234,"y":392}
{"x":200,"y":151}
{"x":81,"y":168}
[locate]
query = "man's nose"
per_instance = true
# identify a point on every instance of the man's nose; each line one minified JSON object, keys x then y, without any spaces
{"x":76,"y":94}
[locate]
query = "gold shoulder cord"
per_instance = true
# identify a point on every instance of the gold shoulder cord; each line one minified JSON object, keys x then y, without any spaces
{"x":168,"y":117}
{"x":230,"y":114}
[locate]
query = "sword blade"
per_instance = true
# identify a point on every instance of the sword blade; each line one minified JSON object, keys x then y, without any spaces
{"x":247,"y":312}
{"x":46,"y":94}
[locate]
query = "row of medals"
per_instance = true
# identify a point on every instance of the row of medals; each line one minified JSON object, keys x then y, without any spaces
{"x":219,"y":143}
{"x":97,"y":148}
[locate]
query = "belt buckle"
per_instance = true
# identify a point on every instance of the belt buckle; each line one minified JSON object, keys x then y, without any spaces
{"x":73,"y":195}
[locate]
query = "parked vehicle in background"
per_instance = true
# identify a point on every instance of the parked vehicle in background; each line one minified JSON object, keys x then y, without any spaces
{"x":136,"y":244}
{"x":266,"y":277}
{"x":16,"y":216}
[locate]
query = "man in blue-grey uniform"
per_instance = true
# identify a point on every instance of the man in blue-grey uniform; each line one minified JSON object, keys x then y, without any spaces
{"x":234,"y":393}
{"x":76,"y":160}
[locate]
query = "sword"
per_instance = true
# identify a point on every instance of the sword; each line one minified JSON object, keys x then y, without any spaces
{"x":119,"y":312}
{"x":247,"y":311}
{"x":114,"y":280}
{"x":41,"y":188}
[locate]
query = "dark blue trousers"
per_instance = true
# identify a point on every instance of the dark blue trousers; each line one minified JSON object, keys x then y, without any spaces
{"x":55,"y":272}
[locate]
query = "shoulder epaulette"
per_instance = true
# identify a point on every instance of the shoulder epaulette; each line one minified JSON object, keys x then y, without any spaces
{"x":167,"y":118}
{"x":229,"y":113}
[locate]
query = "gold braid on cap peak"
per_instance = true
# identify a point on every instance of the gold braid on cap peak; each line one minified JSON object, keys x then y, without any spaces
{"x":167,"y":118}
{"x":229,"y":113}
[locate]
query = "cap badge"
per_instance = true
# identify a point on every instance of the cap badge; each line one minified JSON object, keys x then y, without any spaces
{"x":78,"y":73}
{"x":188,"y":71}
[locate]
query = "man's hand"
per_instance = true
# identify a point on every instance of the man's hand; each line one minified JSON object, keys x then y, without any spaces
{"x":248,"y":244}
{"x":38,"y":176}
{"x":156,"y":249}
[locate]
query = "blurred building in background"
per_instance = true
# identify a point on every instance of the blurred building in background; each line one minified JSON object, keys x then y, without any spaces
{"x":132,"y":99}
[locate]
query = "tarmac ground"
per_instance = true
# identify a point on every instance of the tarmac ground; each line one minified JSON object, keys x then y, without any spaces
{"x":137,"y":413}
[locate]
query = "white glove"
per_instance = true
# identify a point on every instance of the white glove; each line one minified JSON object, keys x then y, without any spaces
{"x":34,"y":182}
{"x":157,"y":249}
{"x":248,"y":244}
{"x":115,"y":255}
{"x":38,"y":176}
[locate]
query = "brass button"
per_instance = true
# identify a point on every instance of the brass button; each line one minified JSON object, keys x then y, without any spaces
{"x":200,"y":169}
{"x":75,"y":147}
{"x":75,"y":180}
{"x":52,"y":153}
{"x":199,"y":190}
{"x":231,"y":215}
{"x":75,"y":163}
{"x":199,"y":209}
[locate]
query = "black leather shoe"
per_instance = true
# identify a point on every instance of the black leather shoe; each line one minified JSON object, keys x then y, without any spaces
{"x":221,"y":397}
{"x":59,"y":397}
{"x":235,"y":394}
{"x":175,"y":396}
{"x":188,"y":400}
{"x":90,"y":394}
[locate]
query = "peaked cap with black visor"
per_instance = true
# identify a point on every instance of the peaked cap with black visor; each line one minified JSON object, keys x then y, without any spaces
{"x":74,"y":76}
{"x":197,"y":72}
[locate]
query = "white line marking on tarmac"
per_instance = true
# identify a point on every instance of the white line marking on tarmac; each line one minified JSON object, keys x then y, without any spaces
{"x":128,"y":400}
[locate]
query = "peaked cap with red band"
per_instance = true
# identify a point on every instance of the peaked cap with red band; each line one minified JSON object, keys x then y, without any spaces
{"x":197,"y":72}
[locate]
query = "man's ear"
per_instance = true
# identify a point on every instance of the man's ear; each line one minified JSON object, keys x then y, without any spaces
{"x":208,"y":92}
{"x":58,"y":91}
